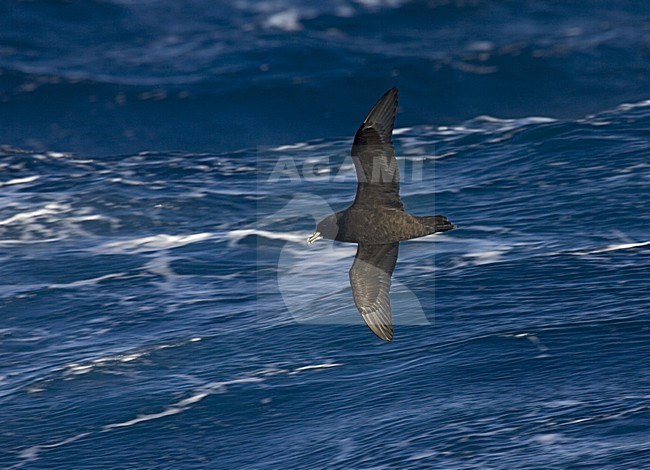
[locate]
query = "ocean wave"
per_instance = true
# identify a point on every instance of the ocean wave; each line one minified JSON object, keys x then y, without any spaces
{"x":32,"y":453}
{"x":235,"y":236}
{"x":158,"y":242}
{"x":545,"y":269}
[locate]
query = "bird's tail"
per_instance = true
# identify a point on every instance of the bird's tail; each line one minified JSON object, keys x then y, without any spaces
{"x":437,"y":223}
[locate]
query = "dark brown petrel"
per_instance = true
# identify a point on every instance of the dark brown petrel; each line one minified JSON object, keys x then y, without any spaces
{"x":376,"y":220}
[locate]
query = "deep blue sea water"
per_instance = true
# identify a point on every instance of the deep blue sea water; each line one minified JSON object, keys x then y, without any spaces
{"x":159,"y":307}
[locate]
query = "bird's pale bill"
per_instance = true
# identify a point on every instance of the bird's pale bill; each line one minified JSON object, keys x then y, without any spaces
{"x":313,"y":237}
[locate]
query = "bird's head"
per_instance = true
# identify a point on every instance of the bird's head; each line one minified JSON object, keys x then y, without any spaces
{"x":326,"y":228}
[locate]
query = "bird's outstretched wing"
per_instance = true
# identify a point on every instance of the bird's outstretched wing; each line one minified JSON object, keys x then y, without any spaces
{"x":370,"y":278}
{"x":373,"y":156}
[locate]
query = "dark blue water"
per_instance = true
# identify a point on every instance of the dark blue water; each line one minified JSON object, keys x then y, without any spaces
{"x":159,"y":307}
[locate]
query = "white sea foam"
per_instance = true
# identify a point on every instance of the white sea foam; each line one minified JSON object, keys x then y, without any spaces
{"x":486,"y":257}
{"x":78,"y":368}
{"x":629,"y":106}
{"x":48,"y":223}
{"x":153,"y":243}
{"x":235,"y":236}
{"x":474,"y":251}
{"x":15,"y":181}
{"x":84,"y":368}
{"x":288,"y":20}
{"x":617,"y":247}
{"x":604,"y":417}
{"x":212,"y":388}
{"x":87,"y":282}
{"x":380,"y":3}
{"x":401,"y":130}
{"x":48,"y":209}
{"x":14,"y":241}
{"x":519,"y":122}
{"x":128,"y":182}
{"x":161,"y":265}
{"x":326,"y":365}
{"x":185,"y":404}
{"x":57,"y":154}
{"x":298,"y":146}
{"x":31,"y":453}
{"x":622,"y":246}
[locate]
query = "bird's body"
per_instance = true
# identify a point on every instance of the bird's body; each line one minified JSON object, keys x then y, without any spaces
{"x":373,"y":226}
{"x":376,"y":220}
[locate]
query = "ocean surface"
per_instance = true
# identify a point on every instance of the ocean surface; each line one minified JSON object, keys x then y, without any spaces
{"x":162,"y":163}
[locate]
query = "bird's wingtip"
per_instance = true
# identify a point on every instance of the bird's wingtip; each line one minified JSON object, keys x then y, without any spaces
{"x":382,"y":331}
{"x":392,"y":92}
{"x":388,"y":337}
{"x":382,"y":115}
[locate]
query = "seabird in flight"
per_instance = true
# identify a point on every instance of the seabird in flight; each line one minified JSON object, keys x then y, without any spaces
{"x":376,"y":220}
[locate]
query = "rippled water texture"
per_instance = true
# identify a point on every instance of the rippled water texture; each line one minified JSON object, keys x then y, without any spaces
{"x":161,"y":309}
{"x":123,"y":76}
